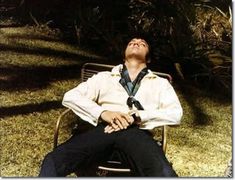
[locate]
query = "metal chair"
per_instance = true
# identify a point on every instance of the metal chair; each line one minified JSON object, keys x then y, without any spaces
{"x":113,"y":166}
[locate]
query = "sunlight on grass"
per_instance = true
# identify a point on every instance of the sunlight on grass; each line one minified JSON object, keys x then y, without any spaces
{"x":196,"y":150}
{"x":9,"y":58}
{"x":54,"y":92}
{"x":202,"y":150}
{"x":21,"y":37}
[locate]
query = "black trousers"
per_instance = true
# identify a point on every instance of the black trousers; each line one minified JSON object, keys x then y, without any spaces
{"x":143,"y":154}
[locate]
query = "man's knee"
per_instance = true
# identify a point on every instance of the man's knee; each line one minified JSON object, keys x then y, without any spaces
{"x":48,"y":168}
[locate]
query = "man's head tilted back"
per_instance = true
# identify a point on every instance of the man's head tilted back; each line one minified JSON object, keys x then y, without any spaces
{"x":138,"y":47}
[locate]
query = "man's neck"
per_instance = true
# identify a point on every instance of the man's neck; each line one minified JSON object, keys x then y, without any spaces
{"x":134,"y":67}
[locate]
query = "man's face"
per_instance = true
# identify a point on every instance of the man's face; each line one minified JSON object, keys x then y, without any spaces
{"x":137,"y":48}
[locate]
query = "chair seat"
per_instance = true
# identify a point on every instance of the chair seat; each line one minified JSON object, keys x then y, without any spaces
{"x":116,"y":163}
{"x":114,"y":166}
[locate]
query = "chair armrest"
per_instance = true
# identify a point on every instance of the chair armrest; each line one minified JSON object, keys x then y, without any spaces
{"x":57,"y":127}
{"x":164,"y":138}
{"x":165,"y":135}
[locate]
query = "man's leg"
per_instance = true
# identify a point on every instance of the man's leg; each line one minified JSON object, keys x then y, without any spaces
{"x":76,"y":152}
{"x":143,"y":153}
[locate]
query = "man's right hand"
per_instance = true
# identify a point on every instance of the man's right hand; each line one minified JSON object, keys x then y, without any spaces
{"x":117,"y":120}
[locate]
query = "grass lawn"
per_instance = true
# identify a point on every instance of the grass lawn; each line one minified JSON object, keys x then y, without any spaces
{"x":36,"y":69}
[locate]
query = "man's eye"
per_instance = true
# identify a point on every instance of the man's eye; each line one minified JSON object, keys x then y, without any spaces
{"x":140,"y":44}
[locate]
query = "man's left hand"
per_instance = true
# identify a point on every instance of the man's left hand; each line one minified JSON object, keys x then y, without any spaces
{"x":115,"y":125}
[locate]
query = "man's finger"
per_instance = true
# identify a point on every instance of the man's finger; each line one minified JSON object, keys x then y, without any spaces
{"x":118,"y":121}
{"x":124,"y":121}
{"x":114,"y":124}
{"x":107,"y":128}
{"x":129,"y":119}
{"x":110,"y":130}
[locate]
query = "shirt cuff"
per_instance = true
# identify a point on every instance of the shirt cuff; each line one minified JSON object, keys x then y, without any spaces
{"x":143,"y":115}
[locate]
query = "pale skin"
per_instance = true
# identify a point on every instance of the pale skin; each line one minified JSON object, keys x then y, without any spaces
{"x":135,"y":61}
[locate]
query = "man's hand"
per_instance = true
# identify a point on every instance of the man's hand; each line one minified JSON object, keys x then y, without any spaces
{"x":116,"y":120}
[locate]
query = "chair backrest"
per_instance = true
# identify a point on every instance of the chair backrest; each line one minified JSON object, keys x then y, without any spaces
{"x":89,"y":69}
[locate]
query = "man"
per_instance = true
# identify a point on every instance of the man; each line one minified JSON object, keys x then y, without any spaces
{"x":123,"y":105}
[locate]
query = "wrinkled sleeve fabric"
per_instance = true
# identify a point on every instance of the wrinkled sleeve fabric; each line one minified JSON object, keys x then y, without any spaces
{"x":82,"y":100}
{"x":169,"y":111}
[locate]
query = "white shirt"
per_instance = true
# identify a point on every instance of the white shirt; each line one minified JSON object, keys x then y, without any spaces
{"x":104,"y":92}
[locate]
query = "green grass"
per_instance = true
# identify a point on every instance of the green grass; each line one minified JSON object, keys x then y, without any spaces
{"x":202,"y":148}
{"x":37,"y":69}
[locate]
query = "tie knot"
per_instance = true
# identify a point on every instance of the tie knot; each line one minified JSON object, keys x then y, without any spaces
{"x":131,"y":100}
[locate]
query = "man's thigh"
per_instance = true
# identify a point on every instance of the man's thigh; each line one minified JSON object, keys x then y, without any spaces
{"x":145,"y":156}
{"x":135,"y":141}
{"x":83,"y":148}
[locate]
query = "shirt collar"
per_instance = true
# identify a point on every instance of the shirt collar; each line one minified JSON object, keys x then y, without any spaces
{"x":117,"y":69}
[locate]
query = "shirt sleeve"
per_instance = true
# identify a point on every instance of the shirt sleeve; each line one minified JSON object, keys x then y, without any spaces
{"x":82,"y":100}
{"x":169,"y":111}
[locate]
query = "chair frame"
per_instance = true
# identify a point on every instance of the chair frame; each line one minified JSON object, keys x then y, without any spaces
{"x":87,"y":71}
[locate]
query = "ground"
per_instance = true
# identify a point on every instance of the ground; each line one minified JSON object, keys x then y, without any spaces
{"x":36,"y":69}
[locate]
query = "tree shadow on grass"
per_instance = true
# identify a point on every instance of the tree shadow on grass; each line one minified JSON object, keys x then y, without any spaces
{"x":10,"y":25}
{"x":43,"y":52}
{"x":29,"y":108}
{"x":49,"y":37}
{"x":199,"y":115}
{"x":19,"y":78}
{"x":19,"y":47}
{"x":191,"y":94}
{"x":31,"y":37}
{"x":15,"y":78}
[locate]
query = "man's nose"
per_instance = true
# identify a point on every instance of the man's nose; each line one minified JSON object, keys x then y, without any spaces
{"x":136,"y":43}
